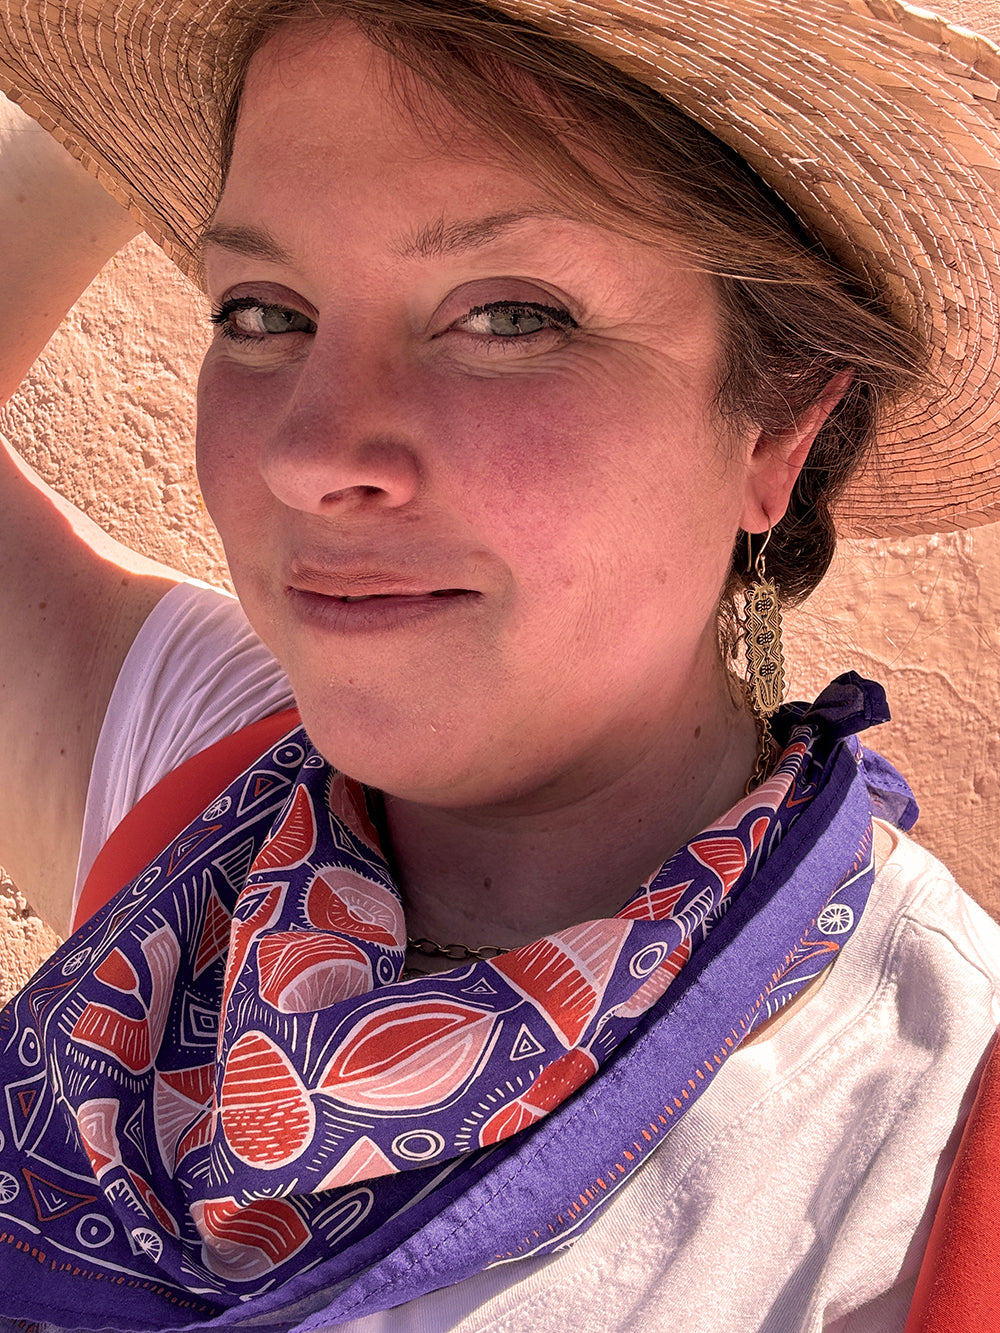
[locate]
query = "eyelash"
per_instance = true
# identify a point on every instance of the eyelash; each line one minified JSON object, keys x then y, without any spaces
{"x":222,"y":314}
{"x":558,"y":320}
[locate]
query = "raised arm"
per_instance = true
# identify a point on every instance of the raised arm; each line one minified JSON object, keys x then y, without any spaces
{"x":71,"y":598}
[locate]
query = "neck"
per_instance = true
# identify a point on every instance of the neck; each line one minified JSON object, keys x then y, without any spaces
{"x":573,"y":850}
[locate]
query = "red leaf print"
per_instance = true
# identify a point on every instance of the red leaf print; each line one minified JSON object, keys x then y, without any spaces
{"x":293,"y":840}
{"x":134,"y":1042}
{"x":241,"y":1244}
{"x":264,"y":1109}
{"x":149,"y":1198}
{"x":552,"y":1086}
{"x":507,"y":1121}
{"x":245,"y":930}
{"x":342,"y":901}
{"x":301,"y":972}
{"x":117,"y":972}
{"x":563,"y":1076}
{"x":725,"y":857}
{"x":655,"y":905}
{"x":195,"y":1083}
{"x":197,"y":1136}
{"x":410,"y":1055}
{"x":757,"y":830}
{"x":181,"y":1121}
{"x":124,"y":1039}
{"x":97,"y":1122}
{"x":565,"y":975}
{"x":214,"y":934}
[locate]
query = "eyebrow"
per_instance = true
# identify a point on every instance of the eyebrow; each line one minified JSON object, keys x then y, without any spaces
{"x":254,"y":242}
{"x":438,"y":238}
{"x":429,"y":242}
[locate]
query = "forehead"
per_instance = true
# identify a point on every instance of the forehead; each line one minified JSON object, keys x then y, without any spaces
{"x":322,"y":90}
{"x":331,"y":122}
{"x":326,"y":88}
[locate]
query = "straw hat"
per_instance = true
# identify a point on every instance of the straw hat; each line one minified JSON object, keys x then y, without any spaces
{"x":879,"y":124}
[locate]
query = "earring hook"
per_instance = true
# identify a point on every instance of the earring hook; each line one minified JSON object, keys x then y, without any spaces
{"x":756,"y":565}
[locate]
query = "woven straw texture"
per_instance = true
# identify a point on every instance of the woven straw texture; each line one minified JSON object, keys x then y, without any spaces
{"x":879,"y":124}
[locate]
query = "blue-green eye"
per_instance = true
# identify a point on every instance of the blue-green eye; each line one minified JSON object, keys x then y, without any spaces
{"x":513,"y":319}
{"x":246,"y":319}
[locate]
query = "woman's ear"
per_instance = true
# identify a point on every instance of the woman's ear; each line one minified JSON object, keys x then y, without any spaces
{"x":778,"y":457}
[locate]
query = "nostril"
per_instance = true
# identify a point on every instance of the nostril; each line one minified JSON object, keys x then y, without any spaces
{"x":321,"y":465}
{"x":352,"y":492}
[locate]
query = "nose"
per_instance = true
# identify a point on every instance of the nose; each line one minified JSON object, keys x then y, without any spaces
{"x":342,"y":444}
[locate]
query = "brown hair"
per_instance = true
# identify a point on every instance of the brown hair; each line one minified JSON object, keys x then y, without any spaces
{"x":794,"y":318}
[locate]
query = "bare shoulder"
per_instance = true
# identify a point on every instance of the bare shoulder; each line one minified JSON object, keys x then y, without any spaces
{"x":71,"y":602}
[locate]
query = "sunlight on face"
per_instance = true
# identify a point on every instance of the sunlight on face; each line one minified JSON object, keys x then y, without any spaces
{"x":461,"y":447}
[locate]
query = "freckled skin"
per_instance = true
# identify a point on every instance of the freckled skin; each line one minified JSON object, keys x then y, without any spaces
{"x":575,"y":479}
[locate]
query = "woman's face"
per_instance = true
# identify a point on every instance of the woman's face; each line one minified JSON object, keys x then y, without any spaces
{"x":461,"y":446}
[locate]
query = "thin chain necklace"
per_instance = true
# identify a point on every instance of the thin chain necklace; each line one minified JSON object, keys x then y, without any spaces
{"x":458,"y":953}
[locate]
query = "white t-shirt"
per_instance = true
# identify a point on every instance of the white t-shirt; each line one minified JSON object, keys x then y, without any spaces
{"x":797,"y":1193}
{"x":195,"y":673}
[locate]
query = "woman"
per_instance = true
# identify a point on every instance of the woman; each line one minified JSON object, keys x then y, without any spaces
{"x":493,"y":378}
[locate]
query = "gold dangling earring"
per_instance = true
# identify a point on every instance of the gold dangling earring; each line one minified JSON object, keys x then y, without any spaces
{"x":764,"y":658}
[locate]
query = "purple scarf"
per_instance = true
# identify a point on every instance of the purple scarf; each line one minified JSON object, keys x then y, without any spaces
{"x":223,"y":1104}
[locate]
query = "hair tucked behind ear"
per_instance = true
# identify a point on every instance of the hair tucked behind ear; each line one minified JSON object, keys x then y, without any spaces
{"x":793,"y":318}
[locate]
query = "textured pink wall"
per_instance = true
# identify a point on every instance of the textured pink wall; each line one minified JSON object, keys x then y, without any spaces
{"x":922,"y":615}
{"x":107,"y":417}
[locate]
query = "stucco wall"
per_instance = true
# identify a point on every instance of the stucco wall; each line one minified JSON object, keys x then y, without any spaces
{"x":107,"y":416}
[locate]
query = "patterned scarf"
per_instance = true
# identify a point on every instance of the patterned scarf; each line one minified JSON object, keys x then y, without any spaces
{"x":224,"y":1104}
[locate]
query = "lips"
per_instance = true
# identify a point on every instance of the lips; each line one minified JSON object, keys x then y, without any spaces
{"x":351,"y":583}
{"x":381,"y":596}
{"x":368,"y":600}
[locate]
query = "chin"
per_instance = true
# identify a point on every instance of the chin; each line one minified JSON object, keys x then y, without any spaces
{"x":409,"y":754}
{"x":455,"y":763}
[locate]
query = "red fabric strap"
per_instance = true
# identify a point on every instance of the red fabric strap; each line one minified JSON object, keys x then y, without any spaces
{"x":958,"y":1290}
{"x":170,"y":806}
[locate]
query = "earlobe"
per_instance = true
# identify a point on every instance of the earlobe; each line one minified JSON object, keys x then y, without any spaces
{"x":779,"y":456}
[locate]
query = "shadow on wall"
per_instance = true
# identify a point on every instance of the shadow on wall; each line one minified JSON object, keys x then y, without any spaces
{"x":107,"y":417}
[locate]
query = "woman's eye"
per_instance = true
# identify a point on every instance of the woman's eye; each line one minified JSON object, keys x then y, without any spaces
{"x":502,"y":319}
{"x":246,"y":319}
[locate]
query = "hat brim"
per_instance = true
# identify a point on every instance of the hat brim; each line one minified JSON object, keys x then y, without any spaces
{"x":878,"y":124}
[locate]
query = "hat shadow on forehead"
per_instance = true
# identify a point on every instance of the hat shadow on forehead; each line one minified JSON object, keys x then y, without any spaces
{"x":879,"y":125}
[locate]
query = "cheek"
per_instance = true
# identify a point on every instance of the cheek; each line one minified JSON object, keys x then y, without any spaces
{"x":233,"y":411}
{"x":523,"y":442}
{"x":580,"y":471}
